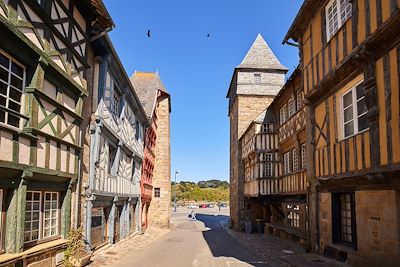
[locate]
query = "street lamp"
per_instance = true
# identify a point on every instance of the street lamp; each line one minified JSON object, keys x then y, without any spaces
{"x":176,"y":172}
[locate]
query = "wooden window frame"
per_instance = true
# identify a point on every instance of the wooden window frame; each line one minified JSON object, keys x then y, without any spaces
{"x":341,"y":21}
{"x":295,"y":160}
{"x":268,"y":165}
{"x":354,"y":102}
{"x":283,"y":115}
{"x":6,"y":109}
{"x":267,"y":128}
{"x":286,"y":163}
{"x":337,"y":220}
{"x":42,"y":239}
{"x":51,"y":209}
{"x":299,"y":99}
{"x":111,"y":158}
{"x":293,"y":210}
{"x":291,"y":107}
{"x":303,"y":156}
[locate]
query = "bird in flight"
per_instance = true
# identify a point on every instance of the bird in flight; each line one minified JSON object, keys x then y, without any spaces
{"x":208,"y":35}
{"x":148,"y":34}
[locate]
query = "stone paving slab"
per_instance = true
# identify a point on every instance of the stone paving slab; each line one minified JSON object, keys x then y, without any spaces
{"x":305,"y":260}
{"x":112,"y":253}
{"x":268,"y":248}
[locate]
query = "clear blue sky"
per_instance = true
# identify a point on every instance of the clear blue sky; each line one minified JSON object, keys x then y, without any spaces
{"x":197,"y":70}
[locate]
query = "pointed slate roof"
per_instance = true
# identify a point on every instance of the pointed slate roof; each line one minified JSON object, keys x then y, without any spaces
{"x":260,"y":56}
{"x":146,"y":85}
{"x":266,"y":116}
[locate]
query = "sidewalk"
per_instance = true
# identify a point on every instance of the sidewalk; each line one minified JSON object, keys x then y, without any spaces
{"x":267,"y":247}
{"x":111,"y":253}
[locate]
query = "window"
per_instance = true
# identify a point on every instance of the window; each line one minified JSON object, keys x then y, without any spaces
{"x":337,"y":12}
{"x":291,"y":107}
{"x":111,"y":158}
{"x":116,"y":103}
{"x":137,"y":130}
{"x":293,"y":217}
{"x":267,"y":128}
{"x":343,"y":224}
{"x":257,"y":78}
{"x":286,"y":163}
{"x":133,"y":169}
{"x":157,"y":192}
{"x":12,"y":82}
{"x":295,"y":160}
{"x":303,"y":156}
{"x":41,"y":221}
{"x":32,"y":216}
{"x":268,"y":164}
{"x":283,"y":115}
{"x":299,"y":102}
{"x":354,"y":111}
{"x":50,"y":214}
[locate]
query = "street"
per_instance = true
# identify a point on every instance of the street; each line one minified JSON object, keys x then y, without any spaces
{"x":194,"y":243}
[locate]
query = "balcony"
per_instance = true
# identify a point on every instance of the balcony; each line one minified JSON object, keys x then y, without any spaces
{"x":294,"y":183}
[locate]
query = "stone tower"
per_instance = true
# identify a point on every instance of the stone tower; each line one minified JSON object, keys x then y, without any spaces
{"x":255,"y":83}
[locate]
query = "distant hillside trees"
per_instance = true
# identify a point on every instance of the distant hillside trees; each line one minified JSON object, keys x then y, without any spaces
{"x":206,"y":191}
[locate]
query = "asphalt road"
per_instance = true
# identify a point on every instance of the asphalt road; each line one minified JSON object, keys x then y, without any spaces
{"x":200,"y":243}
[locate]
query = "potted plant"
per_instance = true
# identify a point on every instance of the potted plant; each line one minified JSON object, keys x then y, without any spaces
{"x":76,"y":253}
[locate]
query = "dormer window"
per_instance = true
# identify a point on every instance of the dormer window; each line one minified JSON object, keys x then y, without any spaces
{"x":337,"y":12}
{"x":257,"y":78}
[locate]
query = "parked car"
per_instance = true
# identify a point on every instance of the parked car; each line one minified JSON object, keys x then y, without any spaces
{"x":192,"y":206}
{"x":203,"y":206}
{"x":222,"y":205}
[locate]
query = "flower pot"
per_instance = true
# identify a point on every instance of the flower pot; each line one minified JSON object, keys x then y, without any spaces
{"x":82,"y":261}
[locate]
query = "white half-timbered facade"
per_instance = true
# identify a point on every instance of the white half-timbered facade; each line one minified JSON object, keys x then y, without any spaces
{"x":44,"y":66}
{"x":116,"y":152}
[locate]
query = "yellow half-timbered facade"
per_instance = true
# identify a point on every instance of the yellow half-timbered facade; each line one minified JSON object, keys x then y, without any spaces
{"x":45,"y":59}
{"x":273,"y":155}
{"x":350,"y":70}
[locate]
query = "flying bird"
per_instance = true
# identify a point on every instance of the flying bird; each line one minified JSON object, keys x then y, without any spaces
{"x":148,"y":34}
{"x":208,"y":35}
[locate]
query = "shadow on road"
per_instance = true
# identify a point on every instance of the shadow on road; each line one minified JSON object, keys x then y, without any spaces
{"x":222,"y":244}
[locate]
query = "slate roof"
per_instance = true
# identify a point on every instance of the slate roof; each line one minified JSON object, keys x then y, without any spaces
{"x":146,"y":85}
{"x":260,"y":56}
{"x":266,"y":116}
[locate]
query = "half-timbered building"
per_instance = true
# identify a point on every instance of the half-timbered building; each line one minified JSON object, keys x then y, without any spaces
{"x":255,"y":83}
{"x":273,"y":155}
{"x":157,"y":175}
{"x":45,"y":58}
{"x":118,"y":122}
{"x":350,"y":54}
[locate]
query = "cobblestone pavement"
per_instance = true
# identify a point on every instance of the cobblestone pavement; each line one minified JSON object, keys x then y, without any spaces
{"x":110,"y":254}
{"x":267,"y":247}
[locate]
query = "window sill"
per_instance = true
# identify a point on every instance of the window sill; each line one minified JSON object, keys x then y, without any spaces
{"x":7,"y":257}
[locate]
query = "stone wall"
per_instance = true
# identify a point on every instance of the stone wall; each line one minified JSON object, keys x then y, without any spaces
{"x":160,"y":207}
{"x":243,"y":111}
{"x":377,"y":224}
